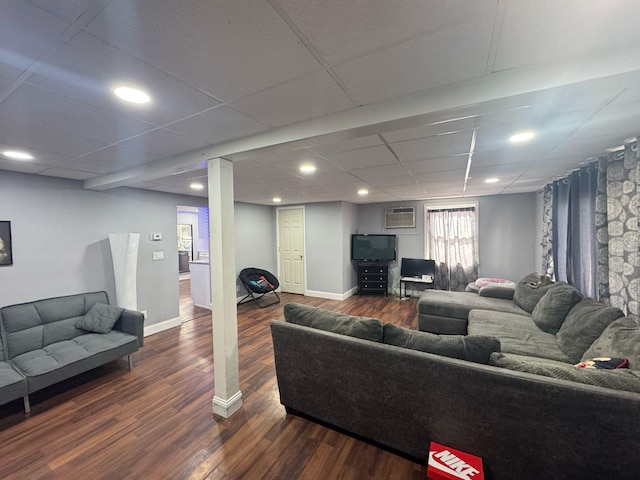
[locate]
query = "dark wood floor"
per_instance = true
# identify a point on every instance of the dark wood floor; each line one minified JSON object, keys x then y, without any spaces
{"x":155,"y":422}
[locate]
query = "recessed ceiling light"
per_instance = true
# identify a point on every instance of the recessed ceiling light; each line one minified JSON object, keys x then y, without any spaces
{"x":307,"y":168}
{"x":492,"y":180}
{"x":17,"y":155}
{"x":277,"y":199}
{"x":522,"y":137}
{"x":363,"y":191}
{"x":131,"y":94}
{"x":197,"y":186}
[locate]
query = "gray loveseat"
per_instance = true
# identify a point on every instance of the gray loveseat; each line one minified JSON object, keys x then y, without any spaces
{"x":403,"y":389}
{"x":47,"y":341}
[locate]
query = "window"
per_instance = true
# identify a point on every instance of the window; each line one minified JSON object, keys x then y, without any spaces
{"x":451,"y":235}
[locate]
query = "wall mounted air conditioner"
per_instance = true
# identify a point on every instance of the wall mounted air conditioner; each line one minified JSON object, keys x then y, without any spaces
{"x":400,"y":217}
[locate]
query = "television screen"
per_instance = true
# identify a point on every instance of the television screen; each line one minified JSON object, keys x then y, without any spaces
{"x":373,"y":247}
{"x":415,"y":267}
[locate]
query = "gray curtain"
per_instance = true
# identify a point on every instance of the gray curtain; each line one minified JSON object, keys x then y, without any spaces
{"x":618,"y":229}
{"x":581,"y":244}
{"x":560,"y":227}
{"x":573,"y":230}
{"x":547,"y":231}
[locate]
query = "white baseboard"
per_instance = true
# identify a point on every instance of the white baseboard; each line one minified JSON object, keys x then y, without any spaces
{"x":331,"y":296}
{"x":162,"y":326}
{"x":226,"y":408}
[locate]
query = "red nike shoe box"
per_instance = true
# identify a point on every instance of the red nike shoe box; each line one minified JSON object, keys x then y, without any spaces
{"x":446,"y":463}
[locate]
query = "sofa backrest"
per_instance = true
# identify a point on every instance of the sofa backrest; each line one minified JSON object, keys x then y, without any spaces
{"x":34,"y":325}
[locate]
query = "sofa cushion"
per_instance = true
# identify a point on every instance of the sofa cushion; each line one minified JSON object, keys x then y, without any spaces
{"x":68,"y":352}
{"x":583,"y":324}
{"x":498,"y":291}
{"x":100,"y":318}
{"x":458,"y":304}
{"x":517,"y":334}
{"x":464,"y":347}
{"x":360,"y":327}
{"x":529,"y":291}
{"x":621,"y":379}
{"x":553,"y":307}
{"x":620,"y":339}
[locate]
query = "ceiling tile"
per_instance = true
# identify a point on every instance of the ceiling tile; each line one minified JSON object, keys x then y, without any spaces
{"x":533,"y":32}
{"x":433,"y":147}
{"x":293,"y":167}
{"x":617,"y":120}
{"x":229,"y":49}
{"x":308,"y":97}
{"x":68,"y":10}
{"x":264,"y":174}
{"x":438,"y":164}
{"x":41,"y":157}
{"x":218,"y":125}
{"x":406,"y":180}
{"x":111,"y":159}
{"x":345,"y":146}
{"x":87,"y":69}
{"x":21,"y":135}
{"x":27,"y":34}
{"x":24,"y":167}
{"x":383,"y":171}
{"x":331,"y":28}
{"x":67,"y":173}
{"x":164,"y":143}
{"x":447,"y":56}
{"x":364,"y":157}
{"x":35,"y":106}
{"x":430,"y":130}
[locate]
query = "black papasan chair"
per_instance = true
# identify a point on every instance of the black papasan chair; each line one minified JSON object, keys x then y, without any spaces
{"x":259,"y":283}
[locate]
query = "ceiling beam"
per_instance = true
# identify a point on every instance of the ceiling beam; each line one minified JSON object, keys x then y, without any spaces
{"x":472,"y":97}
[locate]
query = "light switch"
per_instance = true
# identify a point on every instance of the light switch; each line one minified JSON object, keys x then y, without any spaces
{"x":158,"y":255}
{"x":156,"y":237}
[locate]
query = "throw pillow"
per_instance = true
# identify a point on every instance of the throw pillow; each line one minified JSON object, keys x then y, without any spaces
{"x":530,"y":290}
{"x":100,"y":318}
{"x":620,"y":339}
{"x":474,"y":348}
{"x":584,"y":323}
{"x":484,"y":281}
{"x":553,"y":307}
{"x":359,"y":327}
{"x":619,"y":379}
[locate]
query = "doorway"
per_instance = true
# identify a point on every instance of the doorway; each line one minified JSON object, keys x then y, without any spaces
{"x":291,"y":261}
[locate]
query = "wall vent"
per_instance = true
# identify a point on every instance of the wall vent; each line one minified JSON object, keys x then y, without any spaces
{"x":400,"y":217}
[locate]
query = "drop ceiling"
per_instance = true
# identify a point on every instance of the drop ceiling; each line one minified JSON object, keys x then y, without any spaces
{"x":409,"y":99}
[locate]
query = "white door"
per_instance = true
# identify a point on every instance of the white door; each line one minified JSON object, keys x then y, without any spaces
{"x":291,"y":249}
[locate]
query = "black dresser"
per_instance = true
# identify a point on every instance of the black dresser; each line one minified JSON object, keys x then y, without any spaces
{"x":373,"y":278}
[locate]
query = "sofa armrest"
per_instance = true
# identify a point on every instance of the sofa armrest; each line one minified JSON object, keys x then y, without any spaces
{"x":131,"y":322}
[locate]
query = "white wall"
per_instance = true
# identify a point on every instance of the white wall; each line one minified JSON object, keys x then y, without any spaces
{"x":60,"y":240}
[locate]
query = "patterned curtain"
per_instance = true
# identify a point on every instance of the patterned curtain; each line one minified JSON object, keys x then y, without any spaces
{"x":453,"y":244}
{"x":547,"y":231}
{"x":618,"y":229}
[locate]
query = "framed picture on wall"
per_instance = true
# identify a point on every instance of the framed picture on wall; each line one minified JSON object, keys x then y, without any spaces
{"x":6,"y":255}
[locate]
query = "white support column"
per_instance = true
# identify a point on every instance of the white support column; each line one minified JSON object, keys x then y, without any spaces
{"x":222,"y":256}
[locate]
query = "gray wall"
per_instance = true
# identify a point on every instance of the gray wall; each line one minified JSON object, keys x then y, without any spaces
{"x":508,"y":233}
{"x":255,"y":232}
{"x":324,"y":247}
{"x":349,"y":226}
{"x":60,"y":240}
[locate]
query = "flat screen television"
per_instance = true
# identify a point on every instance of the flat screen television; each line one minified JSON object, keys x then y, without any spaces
{"x":373,"y":247}
{"x":415,"y":267}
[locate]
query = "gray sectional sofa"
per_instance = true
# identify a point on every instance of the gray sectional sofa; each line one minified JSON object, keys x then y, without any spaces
{"x":47,"y":341}
{"x":404,"y":388}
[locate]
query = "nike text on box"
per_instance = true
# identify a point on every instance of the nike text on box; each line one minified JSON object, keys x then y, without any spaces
{"x":447,"y":463}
